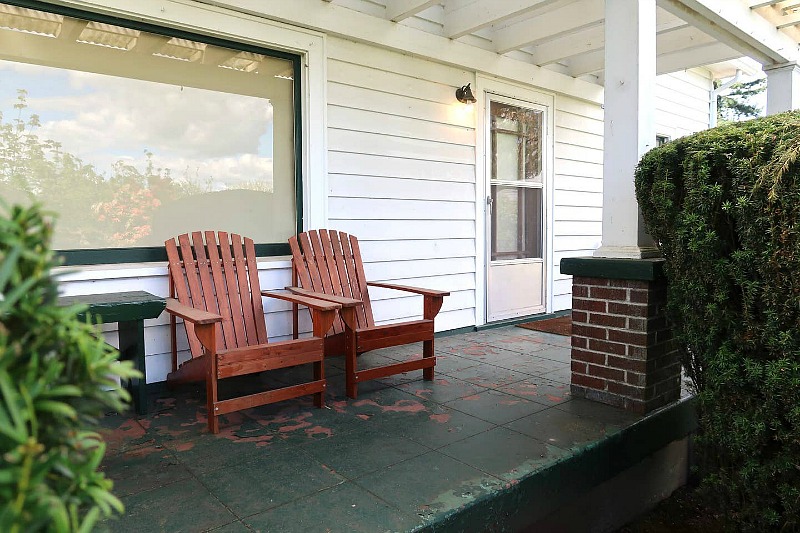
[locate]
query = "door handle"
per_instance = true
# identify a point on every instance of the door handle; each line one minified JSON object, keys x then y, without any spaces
{"x":489,"y":203}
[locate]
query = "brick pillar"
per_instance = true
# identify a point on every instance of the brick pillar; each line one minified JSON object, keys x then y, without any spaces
{"x":622,"y":348}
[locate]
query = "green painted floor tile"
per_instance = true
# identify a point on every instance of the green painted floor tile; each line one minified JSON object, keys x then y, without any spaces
{"x":362,"y":451}
{"x":483,"y":353}
{"x":269,"y":480}
{"x":496,"y":407}
{"x":442,"y":389}
{"x":344,"y":508}
{"x":539,"y":390}
{"x":431,"y":485}
{"x":560,"y":428}
{"x":504,"y":453}
{"x":607,"y":414}
{"x":435,"y":427}
{"x":124,"y":433}
{"x":523,"y":343}
{"x":233,"y":527}
{"x":556,"y":353}
{"x":447,"y":362}
{"x":143,"y":469}
{"x":246,"y":434}
{"x":489,"y":376}
{"x":563,"y":375}
{"x":184,"y":505}
{"x":531,"y":364}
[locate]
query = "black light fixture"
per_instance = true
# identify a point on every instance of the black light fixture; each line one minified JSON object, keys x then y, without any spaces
{"x":465,"y":96}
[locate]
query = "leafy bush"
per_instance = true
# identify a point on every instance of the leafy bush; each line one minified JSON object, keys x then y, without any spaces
{"x":56,"y":378}
{"x":724,"y":207}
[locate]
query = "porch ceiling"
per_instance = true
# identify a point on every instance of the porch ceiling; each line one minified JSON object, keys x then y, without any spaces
{"x":567,"y":36}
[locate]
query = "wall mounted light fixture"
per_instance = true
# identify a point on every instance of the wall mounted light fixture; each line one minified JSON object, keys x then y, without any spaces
{"x":465,"y":96}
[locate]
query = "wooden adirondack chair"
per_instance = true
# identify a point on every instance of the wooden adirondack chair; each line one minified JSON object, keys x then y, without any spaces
{"x":328,"y":266}
{"x":219,"y":300}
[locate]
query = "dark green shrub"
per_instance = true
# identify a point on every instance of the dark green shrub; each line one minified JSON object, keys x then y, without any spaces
{"x":724,"y":207}
{"x":56,"y":378}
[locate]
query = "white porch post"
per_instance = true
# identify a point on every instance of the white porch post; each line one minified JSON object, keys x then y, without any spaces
{"x":783,"y":88}
{"x":630,"y":73}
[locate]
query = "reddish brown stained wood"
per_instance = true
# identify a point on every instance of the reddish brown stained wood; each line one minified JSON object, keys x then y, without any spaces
{"x":330,"y":262}
{"x":362,"y":280}
{"x":261,"y":398}
{"x":229,"y":270}
{"x":255,"y":288}
{"x":245,"y":296}
{"x":215,"y":263}
{"x":418,"y":290}
{"x":359,"y":289}
{"x":182,"y":292}
{"x":240,"y":364}
{"x":222,"y":287}
{"x":393,"y":335}
{"x":396,"y":368}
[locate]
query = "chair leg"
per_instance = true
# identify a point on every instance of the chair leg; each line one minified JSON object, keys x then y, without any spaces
{"x":350,"y":363}
{"x":211,"y":395}
{"x":427,"y":351}
{"x":319,"y":373}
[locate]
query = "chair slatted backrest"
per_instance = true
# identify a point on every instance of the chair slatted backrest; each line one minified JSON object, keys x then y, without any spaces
{"x":219,"y":275}
{"x":330,"y":262}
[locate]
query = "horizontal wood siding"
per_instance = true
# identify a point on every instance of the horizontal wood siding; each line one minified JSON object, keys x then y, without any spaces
{"x":682,"y":103}
{"x":401,"y":176}
{"x":577,"y":188}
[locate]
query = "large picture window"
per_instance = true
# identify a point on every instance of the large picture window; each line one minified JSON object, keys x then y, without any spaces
{"x":132,"y":134}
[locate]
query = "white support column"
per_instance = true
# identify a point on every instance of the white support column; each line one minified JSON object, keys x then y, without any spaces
{"x":630,"y":72}
{"x":783,"y":88}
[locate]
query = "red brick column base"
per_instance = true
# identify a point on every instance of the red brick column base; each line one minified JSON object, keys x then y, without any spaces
{"x":623,"y":353}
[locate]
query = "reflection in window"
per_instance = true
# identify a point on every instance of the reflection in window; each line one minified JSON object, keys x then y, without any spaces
{"x":133,"y":137}
{"x":516,"y":139}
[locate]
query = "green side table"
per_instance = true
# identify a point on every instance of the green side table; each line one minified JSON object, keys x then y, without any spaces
{"x":129,"y":310}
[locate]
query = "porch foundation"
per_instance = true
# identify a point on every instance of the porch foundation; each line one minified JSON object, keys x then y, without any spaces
{"x":623,"y":353}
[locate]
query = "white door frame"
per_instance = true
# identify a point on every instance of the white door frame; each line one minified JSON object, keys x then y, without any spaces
{"x":521,"y":95}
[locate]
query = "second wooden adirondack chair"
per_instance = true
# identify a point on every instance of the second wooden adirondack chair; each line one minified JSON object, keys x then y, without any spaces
{"x":219,"y":299}
{"x":328,"y":266}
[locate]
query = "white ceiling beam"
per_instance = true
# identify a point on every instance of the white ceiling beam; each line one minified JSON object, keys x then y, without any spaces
{"x":697,"y":56}
{"x":589,"y":63}
{"x":570,"y":18}
{"x":789,"y":20}
{"x":734,"y":24}
{"x":755,"y":4}
{"x":566,"y":46}
{"x":677,"y":49}
{"x":397,"y":10}
{"x":671,"y":37}
{"x":336,"y":20}
{"x":483,"y":13}
{"x":680,"y":39}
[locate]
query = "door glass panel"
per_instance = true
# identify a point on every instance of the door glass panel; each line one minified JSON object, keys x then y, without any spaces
{"x":516,"y":223}
{"x":513,"y":125}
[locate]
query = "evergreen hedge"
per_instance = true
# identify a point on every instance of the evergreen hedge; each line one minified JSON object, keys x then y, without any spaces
{"x":56,"y":378}
{"x":723,"y":206}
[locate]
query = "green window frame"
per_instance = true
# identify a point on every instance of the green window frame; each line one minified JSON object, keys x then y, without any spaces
{"x":145,"y":254}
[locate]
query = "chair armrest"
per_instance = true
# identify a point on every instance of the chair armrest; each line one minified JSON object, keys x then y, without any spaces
{"x":341,"y":300}
{"x":190,"y":314}
{"x":313,"y":303}
{"x":417,"y":290}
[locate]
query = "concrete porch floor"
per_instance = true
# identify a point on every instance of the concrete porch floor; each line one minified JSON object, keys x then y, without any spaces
{"x":493,"y":443}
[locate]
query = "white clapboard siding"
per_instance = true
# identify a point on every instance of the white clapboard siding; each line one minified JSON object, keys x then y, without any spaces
{"x":682,"y":102}
{"x":681,"y":108}
{"x":401,"y":162}
{"x":577,"y":188}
